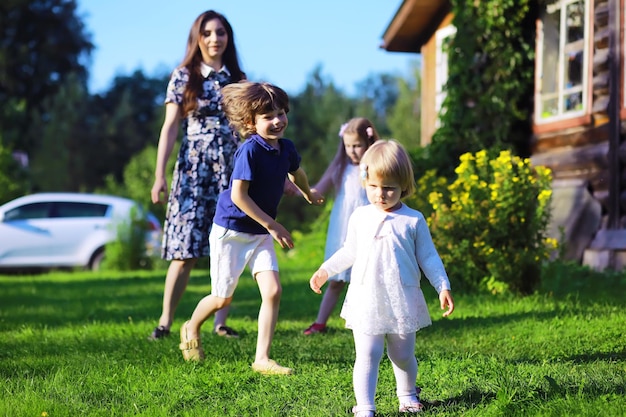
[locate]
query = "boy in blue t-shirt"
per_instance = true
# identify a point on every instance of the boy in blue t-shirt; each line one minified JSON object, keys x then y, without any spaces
{"x":244,"y":222}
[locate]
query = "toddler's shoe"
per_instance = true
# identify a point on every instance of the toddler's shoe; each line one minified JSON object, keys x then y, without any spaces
{"x":315,"y":328}
{"x":191,"y":348}
{"x":271,"y":368}
{"x":159,"y":332}
{"x":413,"y":406}
{"x":226,"y":331}
{"x":362,"y":413}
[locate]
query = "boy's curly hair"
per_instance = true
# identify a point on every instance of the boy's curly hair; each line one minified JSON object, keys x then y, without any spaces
{"x":244,"y":100}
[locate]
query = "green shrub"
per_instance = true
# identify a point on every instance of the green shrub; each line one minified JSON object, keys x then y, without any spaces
{"x":427,"y":183}
{"x":309,"y":246}
{"x":128,"y":251}
{"x":13,"y":178}
{"x":490,"y":80}
{"x":491,"y":229}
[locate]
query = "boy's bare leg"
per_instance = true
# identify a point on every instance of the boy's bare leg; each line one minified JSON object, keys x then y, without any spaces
{"x":205,"y":309}
{"x":271,"y":290}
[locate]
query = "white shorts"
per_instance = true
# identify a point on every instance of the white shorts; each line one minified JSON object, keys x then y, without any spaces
{"x":231,"y":251}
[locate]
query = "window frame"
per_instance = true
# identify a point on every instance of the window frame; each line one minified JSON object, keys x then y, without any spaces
{"x":564,"y":118}
{"x":441,"y":68}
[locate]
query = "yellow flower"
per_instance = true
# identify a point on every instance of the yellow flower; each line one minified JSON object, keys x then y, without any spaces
{"x":466,"y":157}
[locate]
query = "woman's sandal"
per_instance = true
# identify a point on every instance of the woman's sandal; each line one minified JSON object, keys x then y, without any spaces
{"x":191,"y":348}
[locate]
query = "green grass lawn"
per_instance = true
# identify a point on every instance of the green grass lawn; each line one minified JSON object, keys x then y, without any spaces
{"x":75,"y":344}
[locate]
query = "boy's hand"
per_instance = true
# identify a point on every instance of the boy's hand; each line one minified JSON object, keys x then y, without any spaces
{"x":318,"y":279}
{"x":314,"y":197}
{"x":280,"y":235}
{"x":290,"y":189}
{"x":446,"y":301}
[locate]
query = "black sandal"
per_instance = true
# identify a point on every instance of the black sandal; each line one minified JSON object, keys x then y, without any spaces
{"x":226,"y":331}
{"x":159,"y":332}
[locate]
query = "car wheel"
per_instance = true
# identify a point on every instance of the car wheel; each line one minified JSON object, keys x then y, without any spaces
{"x":96,"y":260}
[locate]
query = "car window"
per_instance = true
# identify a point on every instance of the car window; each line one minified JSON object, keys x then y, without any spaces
{"x":73,"y":209}
{"x":29,"y":211}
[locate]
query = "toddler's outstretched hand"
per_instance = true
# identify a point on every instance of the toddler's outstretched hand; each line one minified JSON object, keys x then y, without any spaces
{"x":318,"y":279}
{"x":446,"y":301}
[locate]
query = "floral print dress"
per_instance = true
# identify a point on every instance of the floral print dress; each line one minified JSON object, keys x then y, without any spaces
{"x":202,"y":170}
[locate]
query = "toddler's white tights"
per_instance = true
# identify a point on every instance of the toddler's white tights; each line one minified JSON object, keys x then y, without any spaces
{"x":369,"y":351}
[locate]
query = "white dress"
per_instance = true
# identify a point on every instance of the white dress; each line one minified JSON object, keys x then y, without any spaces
{"x":386,"y":251}
{"x":350,"y":195}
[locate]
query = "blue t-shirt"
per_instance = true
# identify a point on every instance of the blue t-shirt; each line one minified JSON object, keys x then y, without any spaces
{"x":266,"y":169}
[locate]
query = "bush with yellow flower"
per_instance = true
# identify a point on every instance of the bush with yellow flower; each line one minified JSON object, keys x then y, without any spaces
{"x":490,"y":224}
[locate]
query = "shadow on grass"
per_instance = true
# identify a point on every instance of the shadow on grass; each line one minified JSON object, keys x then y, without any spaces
{"x":472,"y":398}
{"x":48,"y":302}
{"x":59,"y":301}
{"x":62,"y":300}
{"x":578,"y":359}
{"x":52,"y":301}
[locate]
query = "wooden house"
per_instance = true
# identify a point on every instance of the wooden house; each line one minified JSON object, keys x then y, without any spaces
{"x":579,"y":111}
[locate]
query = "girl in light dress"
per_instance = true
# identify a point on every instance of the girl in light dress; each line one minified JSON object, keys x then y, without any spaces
{"x":343,"y":175}
{"x":386,"y":245}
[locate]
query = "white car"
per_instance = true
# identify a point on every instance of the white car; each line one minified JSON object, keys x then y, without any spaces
{"x":66,"y":230}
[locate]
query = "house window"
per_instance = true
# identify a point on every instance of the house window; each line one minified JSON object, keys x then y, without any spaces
{"x":562,"y":61}
{"x":443,"y":38}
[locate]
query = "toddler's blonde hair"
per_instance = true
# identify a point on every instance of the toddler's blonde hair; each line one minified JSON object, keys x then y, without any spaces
{"x":388,"y":159}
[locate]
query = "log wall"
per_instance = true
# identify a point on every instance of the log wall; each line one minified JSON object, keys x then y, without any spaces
{"x":581,"y":153}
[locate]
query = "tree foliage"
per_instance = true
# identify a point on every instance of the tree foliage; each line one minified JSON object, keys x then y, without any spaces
{"x":58,"y":163}
{"x":404,"y":118}
{"x":105,"y":142}
{"x":13,"y":177}
{"x":314,"y":121}
{"x":42,"y":42}
{"x":490,"y":81}
{"x":376,"y":96}
{"x":125,"y":120}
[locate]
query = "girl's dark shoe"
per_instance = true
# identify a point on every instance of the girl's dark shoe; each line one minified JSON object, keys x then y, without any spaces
{"x":226,"y":331}
{"x":315,"y":328}
{"x":159,"y":332}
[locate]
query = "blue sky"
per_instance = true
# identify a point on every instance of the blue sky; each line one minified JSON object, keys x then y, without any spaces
{"x":279,"y":41}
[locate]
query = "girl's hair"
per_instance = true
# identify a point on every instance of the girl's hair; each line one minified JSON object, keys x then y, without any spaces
{"x":193,"y":58}
{"x":388,"y":159}
{"x":243,"y":101}
{"x":366,"y":132}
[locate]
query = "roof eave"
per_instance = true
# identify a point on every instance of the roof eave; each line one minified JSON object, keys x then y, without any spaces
{"x":414,"y":24}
